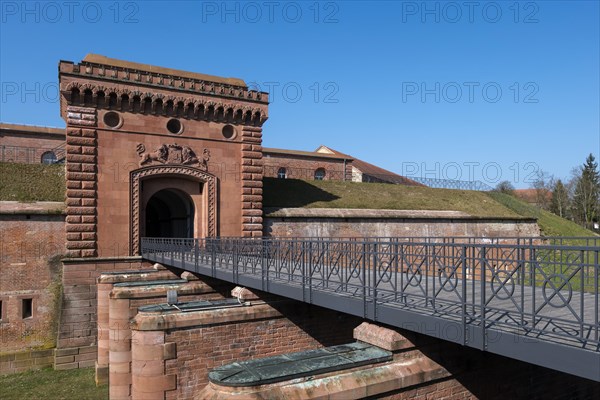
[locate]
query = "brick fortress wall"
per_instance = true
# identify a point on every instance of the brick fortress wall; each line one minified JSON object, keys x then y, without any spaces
{"x":302,"y":165}
{"x":27,"y":144}
{"x":191,"y":344}
{"x":31,"y":245}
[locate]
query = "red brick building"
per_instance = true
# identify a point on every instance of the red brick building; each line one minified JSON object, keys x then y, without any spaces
{"x":31,"y":144}
{"x":306,"y":165}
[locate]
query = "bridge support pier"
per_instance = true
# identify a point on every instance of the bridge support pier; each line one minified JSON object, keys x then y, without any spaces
{"x":124,"y":300}
{"x":193,"y":342}
{"x":105,"y":284}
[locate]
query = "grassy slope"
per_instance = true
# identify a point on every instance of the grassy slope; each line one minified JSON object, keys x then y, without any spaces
{"x":50,"y":384}
{"x":32,"y":182}
{"x":550,"y":224}
{"x":37,"y":182}
{"x":331,"y":194}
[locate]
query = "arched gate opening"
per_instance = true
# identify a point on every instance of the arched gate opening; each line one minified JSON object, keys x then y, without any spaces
{"x":170,"y":214}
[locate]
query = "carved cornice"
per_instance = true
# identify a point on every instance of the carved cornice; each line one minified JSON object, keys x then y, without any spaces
{"x":123,"y":75}
{"x":90,"y":94}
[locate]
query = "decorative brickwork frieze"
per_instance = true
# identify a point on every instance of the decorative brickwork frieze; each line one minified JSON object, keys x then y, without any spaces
{"x":81,"y":174}
{"x":239,"y":106}
{"x":252,"y":181}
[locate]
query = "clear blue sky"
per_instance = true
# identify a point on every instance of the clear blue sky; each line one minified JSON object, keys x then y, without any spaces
{"x":410,"y":86}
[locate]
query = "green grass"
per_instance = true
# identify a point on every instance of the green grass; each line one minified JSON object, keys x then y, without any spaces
{"x":550,"y":224}
{"x":282,"y":193}
{"x":52,"y":385}
{"x":32,"y":182}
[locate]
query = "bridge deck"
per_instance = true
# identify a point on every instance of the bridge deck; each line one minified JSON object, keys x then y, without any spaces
{"x":552,"y":322}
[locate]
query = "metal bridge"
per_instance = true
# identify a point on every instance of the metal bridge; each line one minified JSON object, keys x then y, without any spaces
{"x":535,"y":300}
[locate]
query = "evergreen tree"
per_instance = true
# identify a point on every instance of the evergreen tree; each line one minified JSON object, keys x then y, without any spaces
{"x":560,"y":199}
{"x":587,"y":193}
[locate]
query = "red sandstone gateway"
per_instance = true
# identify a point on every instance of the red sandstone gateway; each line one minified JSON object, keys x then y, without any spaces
{"x":171,"y":163}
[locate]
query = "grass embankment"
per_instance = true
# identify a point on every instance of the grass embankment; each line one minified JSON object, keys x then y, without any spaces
{"x":32,"y":182}
{"x":38,"y":182}
{"x":282,"y":193}
{"x":550,"y":224}
{"x":52,"y":385}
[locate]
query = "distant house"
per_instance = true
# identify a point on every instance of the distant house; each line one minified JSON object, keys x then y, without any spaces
{"x":363,"y":171}
{"x":31,"y":144}
{"x":306,"y":165}
{"x":536,"y":197}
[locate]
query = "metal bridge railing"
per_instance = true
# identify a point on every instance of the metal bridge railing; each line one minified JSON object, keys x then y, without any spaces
{"x":536,"y":288}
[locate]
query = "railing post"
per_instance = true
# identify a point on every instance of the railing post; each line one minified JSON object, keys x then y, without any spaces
{"x":196,"y":250}
{"x":483,"y":295}
{"x":427,"y":271}
{"x":596,"y":288}
{"x":364,"y":278}
{"x":304,"y":278}
{"x":532,"y":266}
{"x":374,"y":282}
{"x":581,"y":292}
{"x":182,"y":251}
{"x":264,"y":266}
{"x":395,"y":269}
{"x":235,"y":269}
{"x":213,"y":256}
{"x":310,"y":270}
{"x":464,"y":298}
{"x":172,"y":251}
{"x":521,"y":266}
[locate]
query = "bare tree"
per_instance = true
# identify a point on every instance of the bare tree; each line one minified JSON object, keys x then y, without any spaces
{"x":560,"y":200}
{"x":543,"y":185}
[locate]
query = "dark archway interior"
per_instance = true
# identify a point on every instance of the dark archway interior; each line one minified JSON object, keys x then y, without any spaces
{"x":170,"y":214}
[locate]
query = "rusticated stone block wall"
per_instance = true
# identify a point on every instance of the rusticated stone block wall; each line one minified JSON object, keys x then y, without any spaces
{"x":252,"y":185}
{"x":78,"y":323}
{"x":123,"y":306}
{"x":22,"y":361}
{"x":81,"y":161}
{"x":105,"y":284}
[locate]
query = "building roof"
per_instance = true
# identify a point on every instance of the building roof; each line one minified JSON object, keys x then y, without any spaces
{"x":372,"y":170}
{"x":531,"y":195}
{"x":21,"y":128}
{"x":103,"y":60}
{"x":301,"y":153}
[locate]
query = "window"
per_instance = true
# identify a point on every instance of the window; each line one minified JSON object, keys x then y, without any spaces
{"x":3,"y":313}
{"x":319,"y":174}
{"x":27,"y":308}
{"x":174,"y":126}
{"x":49,"y":158}
{"x":112,"y":119}
{"x":228,"y":132}
{"x":282,"y":173}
